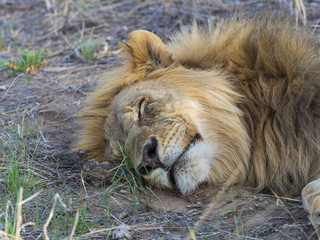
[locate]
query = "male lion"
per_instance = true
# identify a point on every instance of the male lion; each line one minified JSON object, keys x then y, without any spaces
{"x":236,"y":103}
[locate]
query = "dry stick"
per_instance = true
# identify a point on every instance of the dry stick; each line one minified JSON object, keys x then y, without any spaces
{"x":209,"y":208}
{"x":300,"y":9}
{"x":281,"y":198}
{"x":30,"y":198}
{"x":74,"y":48}
{"x":67,"y":41}
{"x":83,"y":185}
{"x":5,"y":234}
{"x":316,"y":26}
{"x":117,"y":227}
{"x":6,"y":218}
{"x":82,"y":30}
{"x":10,"y":87}
{"x":49,"y":6}
{"x":75,"y":224}
{"x":74,"y":227}
{"x":19,"y":210}
{"x":55,"y":12}
{"x":206,"y":212}
{"x":158,"y":199}
{"x":45,"y":226}
{"x":66,"y":13}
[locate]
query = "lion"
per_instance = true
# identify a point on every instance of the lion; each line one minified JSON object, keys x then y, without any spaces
{"x":238,"y":102}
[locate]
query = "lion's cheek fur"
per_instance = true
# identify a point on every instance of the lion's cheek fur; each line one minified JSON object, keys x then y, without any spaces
{"x":159,"y":177}
{"x":194,"y":168}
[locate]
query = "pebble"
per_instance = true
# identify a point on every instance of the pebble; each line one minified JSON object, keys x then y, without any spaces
{"x":123,"y":232}
{"x":197,"y":205}
{"x":122,"y":215}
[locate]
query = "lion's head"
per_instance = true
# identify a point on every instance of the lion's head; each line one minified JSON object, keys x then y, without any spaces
{"x":182,"y":125}
{"x":161,"y":128}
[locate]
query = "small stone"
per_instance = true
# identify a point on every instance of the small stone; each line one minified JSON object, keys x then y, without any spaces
{"x":122,"y":232}
{"x":122,"y":215}
{"x":197,"y":205}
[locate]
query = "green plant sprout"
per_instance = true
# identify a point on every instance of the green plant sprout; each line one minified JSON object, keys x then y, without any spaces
{"x":28,"y":62}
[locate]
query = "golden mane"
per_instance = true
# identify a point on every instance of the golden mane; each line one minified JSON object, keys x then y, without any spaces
{"x":277,"y":70}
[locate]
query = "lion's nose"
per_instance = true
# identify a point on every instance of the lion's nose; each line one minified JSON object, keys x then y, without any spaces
{"x":150,"y":158}
{"x":150,"y":151}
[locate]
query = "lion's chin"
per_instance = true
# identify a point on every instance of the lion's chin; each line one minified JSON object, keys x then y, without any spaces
{"x":187,"y":173}
{"x":159,"y":178}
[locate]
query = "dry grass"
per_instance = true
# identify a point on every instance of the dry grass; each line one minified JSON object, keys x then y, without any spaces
{"x":54,"y":200}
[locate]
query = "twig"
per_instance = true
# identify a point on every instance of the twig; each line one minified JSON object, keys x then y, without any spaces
{"x":300,"y":10}
{"x":45,"y":226}
{"x":209,"y":208}
{"x":75,"y":224}
{"x":6,"y":92}
{"x":284,"y":198}
{"x":2,"y":234}
{"x":206,"y":212}
{"x":83,"y":185}
{"x":19,"y":210}
{"x":117,"y":227}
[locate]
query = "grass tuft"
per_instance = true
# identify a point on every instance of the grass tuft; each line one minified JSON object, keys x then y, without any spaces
{"x":18,"y":167}
{"x":18,"y":175}
{"x":28,"y":62}
{"x":86,"y":49}
{"x":80,"y":222}
{"x":124,"y":176}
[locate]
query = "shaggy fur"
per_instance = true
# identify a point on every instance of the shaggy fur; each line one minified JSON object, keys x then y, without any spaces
{"x":257,"y":83}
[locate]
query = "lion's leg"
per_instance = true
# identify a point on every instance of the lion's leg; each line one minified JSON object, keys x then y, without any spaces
{"x":311,"y":202}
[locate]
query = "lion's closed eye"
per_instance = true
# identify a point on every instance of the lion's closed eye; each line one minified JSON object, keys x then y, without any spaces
{"x":141,"y":106}
{"x":136,"y":110}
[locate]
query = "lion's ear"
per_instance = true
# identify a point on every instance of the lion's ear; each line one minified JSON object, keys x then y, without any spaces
{"x":146,"y":51}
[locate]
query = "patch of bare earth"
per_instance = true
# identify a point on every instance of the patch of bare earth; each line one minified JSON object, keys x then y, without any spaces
{"x":52,"y":95}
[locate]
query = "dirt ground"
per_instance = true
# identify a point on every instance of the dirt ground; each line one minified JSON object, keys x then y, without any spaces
{"x":51,"y":96}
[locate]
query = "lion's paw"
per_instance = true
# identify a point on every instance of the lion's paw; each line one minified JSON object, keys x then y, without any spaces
{"x":311,"y":202}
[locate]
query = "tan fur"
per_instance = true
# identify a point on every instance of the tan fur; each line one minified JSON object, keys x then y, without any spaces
{"x":249,"y":87}
{"x":311,"y":202}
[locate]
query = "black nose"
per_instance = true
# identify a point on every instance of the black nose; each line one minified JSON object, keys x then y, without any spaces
{"x":150,"y":158}
{"x":150,"y":151}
